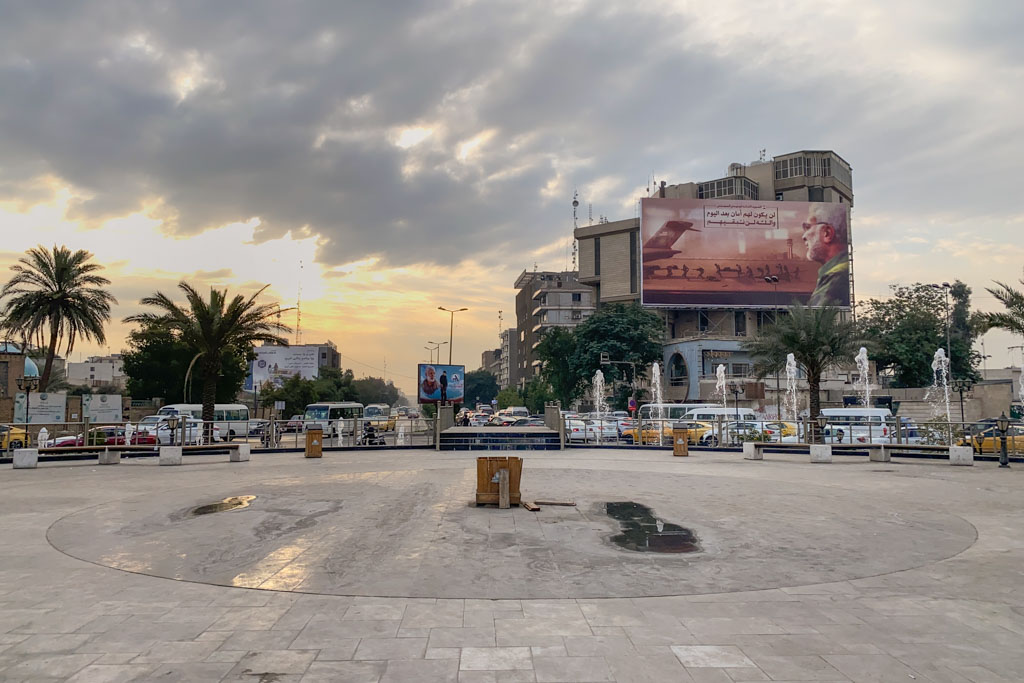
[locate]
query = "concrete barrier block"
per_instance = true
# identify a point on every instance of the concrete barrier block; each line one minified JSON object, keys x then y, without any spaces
{"x":170,"y":455}
{"x":961,"y":455}
{"x":751,"y":451}
{"x":109,"y":457}
{"x":26,"y":458}
{"x":821,"y":453}
{"x":241,"y":454}
{"x":880,"y":454}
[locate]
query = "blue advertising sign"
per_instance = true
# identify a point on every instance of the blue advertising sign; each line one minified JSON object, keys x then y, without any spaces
{"x":440,"y":383}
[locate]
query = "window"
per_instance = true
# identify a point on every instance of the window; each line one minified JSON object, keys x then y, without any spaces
{"x":577,"y":315}
{"x":778,"y":196}
{"x":597,"y":256}
{"x":740,"y":369}
{"x":703,"y":323}
{"x":577,"y":297}
{"x":676,"y":370}
{"x":815,"y":194}
{"x":741,"y":323}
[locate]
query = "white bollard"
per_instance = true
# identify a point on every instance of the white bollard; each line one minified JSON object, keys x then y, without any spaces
{"x":26,"y":458}
{"x":240,"y":454}
{"x":109,"y":457}
{"x":751,"y":451}
{"x":821,"y":453}
{"x":961,"y":455}
{"x":170,"y":455}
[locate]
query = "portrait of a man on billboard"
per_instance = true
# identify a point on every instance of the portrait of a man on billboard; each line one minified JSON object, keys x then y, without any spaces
{"x":440,"y":383}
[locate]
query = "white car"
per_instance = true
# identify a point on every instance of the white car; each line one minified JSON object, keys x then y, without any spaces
{"x":157,"y":424}
{"x":582,"y":431}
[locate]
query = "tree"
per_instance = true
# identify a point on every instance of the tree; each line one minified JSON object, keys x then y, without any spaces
{"x":509,"y":396}
{"x":818,"y":338}
{"x":481,"y":387}
{"x":56,"y":297}
{"x":626,"y":333}
{"x":212,"y":328}
{"x":909,"y":327}
{"x":538,"y":393}
{"x":1012,"y":319}
{"x":375,"y":390}
{"x":156,"y":361}
{"x":555,"y":351}
{"x":296,"y":392}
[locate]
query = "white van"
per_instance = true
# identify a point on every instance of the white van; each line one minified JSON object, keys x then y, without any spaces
{"x":713,"y":413}
{"x":333,"y":418}
{"x":232,"y":418}
{"x":858,"y":425}
{"x":669,"y":411}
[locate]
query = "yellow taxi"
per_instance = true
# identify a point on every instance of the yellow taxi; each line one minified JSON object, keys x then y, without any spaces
{"x":773,"y":428}
{"x":661,"y":432}
{"x":12,"y":437}
{"x":989,"y":440}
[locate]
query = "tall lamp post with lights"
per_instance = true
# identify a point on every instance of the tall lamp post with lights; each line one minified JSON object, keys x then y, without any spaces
{"x":28,"y":385}
{"x":451,"y":329}
{"x":962,"y":386}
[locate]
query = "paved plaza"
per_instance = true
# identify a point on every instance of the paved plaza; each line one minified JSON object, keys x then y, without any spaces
{"x":374,"y":566}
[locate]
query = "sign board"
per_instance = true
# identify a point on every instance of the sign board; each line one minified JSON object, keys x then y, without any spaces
{"x":440,"y":383}
{"x":275,"y":364}
{"x":718,"y":252}
{"x":278,"y":405}
{"x":43,"y":408}
{"x":102,"y":408}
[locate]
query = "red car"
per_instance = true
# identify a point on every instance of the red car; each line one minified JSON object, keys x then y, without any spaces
{"x":105,"y":436}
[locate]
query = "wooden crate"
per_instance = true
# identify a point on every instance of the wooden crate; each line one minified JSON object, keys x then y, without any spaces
{"x":487,"y":490}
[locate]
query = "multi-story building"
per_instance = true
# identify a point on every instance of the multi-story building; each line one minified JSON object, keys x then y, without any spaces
{"x":327,"y":355}
{"x":546,"y":299}
{"x":491,"y":361}
{"x":697,"y":340}
{"x":508,"y":371}
{"x":98,"y":371}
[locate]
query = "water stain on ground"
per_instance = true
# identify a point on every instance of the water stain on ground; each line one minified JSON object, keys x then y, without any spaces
{"x":232,"y":503}
{"x":645,"y":533}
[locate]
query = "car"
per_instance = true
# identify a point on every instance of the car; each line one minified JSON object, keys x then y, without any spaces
{"x":581,"y":431}
{"x":501,"y":420}
{"x":12,"y":437}
{"x":735,"y":432}
{"x":661,"y":432}
{"x":258,"y":427}
{"x":294,"y":424}
{"x":528,"y":422}
{"x":989,"y":440}
{"x":158,"y":426}
{"x":103,"y":436}
{"x":477,"y":420}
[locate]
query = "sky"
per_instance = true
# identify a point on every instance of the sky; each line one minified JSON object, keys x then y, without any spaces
{"x":382,"y":159}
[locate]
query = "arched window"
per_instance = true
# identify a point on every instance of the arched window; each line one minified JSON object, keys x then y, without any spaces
{"x":677,"y":370}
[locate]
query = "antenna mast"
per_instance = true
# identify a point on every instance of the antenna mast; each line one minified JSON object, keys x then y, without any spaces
{"x":575,"y":205}
{"x":298,"y":310}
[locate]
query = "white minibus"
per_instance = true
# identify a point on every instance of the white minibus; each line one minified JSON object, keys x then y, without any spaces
{"x":669,"y":411}
{"x":713,"y":413}
{"x":333,"y":418}
{"x":231,"y":418}
{"x":858,"y":425}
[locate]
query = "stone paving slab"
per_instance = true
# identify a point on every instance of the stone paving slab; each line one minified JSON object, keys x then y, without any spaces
{"x":950,"y":616}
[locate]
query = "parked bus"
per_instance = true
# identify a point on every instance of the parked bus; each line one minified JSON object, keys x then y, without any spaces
{"x":858,"y":425}
{"x":231,"y":418}
{"x":669,"y":411}
{"x":333,"y":418}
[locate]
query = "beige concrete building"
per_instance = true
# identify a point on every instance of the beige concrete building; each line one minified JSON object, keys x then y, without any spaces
{"x":697,"y":340}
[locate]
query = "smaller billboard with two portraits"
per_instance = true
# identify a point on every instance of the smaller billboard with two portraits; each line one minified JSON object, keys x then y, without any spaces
{"x":440,"y":383}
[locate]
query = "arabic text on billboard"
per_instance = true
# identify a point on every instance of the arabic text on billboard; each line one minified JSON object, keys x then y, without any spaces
{"x":40,"y":408}
{"x":440,"y":383}
{"x":275,"y":364}
{"x":739,"y":253}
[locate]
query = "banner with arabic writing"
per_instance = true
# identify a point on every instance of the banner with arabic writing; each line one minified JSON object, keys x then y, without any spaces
{"x":744,"y":254}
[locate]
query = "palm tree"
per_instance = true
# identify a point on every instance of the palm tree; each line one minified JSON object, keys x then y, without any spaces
{"x":56,"y":297}
{"x":212,"y":327}
{"x":818,"y":338}
{"x":1012,"y":319}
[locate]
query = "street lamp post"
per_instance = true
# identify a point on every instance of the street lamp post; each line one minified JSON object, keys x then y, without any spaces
{"x":28,"y":385}
{"x":451,"y":329}
{"x":1003,"y":423}
{"x":774,"y":281}
{"x":961,"y":386}
{"x":437,"y":347}
{"x":822,"y":420}
{"x":736,"y":389}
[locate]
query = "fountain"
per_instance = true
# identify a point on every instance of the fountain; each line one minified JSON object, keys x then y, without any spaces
{"x":656,"y":390}
{"x":720,"y":384}
{"x":790,"y":404}
{"x":865,"y":379}
{"x":597,"y":394}
{"x":938,"y":392}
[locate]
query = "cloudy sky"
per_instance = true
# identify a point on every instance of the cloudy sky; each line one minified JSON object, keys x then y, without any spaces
{"x":396,"y":156}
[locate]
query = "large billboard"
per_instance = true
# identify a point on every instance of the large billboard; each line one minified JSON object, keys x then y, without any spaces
{"x":41,"y":408}
{"x":719,"y":252}
{"x":275,"y":364}
{"x":102,"y":408}
{"x":440,"y":383}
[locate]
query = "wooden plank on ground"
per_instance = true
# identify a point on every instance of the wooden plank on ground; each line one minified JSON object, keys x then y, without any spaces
{"x":565,"y":503}
{"x":530,"y":506}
